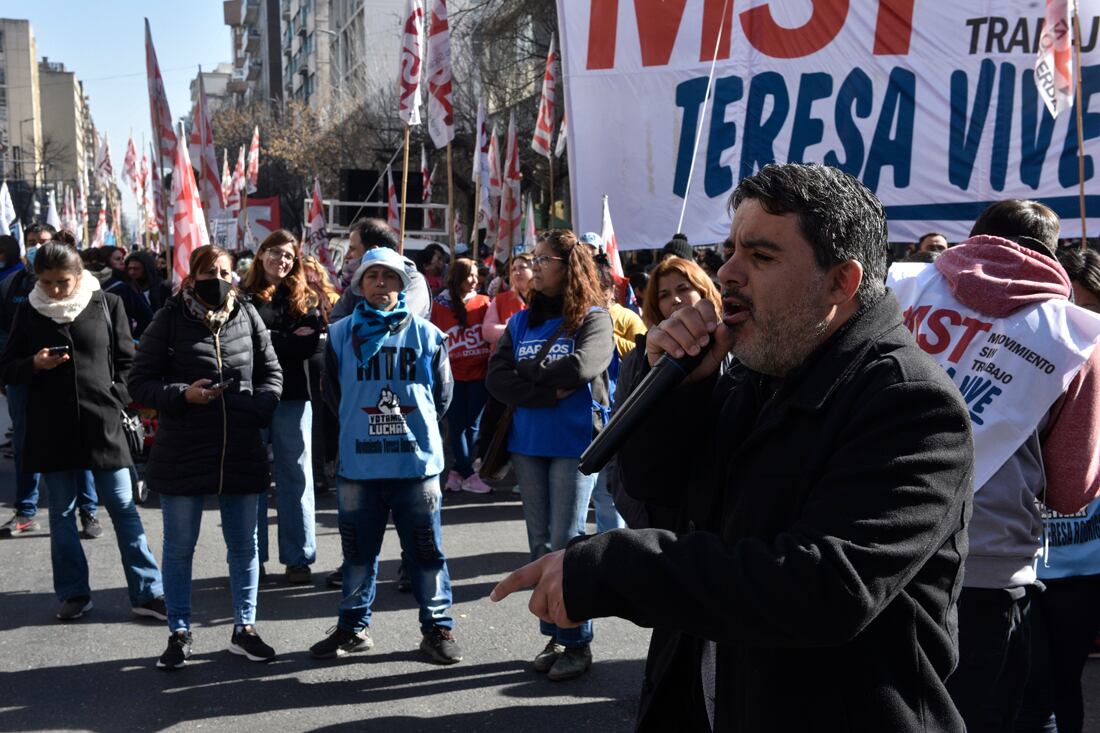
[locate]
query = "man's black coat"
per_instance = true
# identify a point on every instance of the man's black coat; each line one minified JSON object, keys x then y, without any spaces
{"x":821,"y":542}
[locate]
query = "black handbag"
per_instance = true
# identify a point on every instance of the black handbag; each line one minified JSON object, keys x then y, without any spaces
{"x":132,"y":427}
{"x":494,"y":462}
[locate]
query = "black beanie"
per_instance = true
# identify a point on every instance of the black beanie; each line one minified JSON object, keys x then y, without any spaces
{"x":680,"y":247}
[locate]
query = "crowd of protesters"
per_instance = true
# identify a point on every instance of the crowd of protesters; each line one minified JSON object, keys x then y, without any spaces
{"x":269,"y":374}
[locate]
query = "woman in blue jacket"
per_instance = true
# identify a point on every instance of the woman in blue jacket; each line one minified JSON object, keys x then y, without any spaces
{"x":560,"y":400}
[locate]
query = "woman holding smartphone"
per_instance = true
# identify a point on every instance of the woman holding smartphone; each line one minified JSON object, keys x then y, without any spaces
{"x":70,"y":344}
{"x":206,"y":364}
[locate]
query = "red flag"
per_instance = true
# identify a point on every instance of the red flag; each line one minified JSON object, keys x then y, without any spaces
{"x":393,"y":213}
{"x":612,"y":244}
{"x":203,"y":154}
{"x":544,"y":125}
{"x":411,"y":45}
{"x":100,"y":237}
{"x":130,"y":167}
{"x":495,"y":181}
{"x":164,"y":138}
{"x":104,"y":171}
{"x":254,"y":161}
{"x":188,"y":222}
{"x":511,"y":206}
{"x":441,"y":115}
{"x":426,"y":175}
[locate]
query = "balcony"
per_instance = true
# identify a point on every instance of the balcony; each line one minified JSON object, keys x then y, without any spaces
{"x":254,"y":70}
{"x":286,"y":10}
{"x":238,"y":82}
{"x":231,"y":11}
{"x":251,"y":11}
{"x":252,"y":42}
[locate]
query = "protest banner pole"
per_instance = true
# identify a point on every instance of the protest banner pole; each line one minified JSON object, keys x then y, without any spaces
{"x":476,"y":219}
{"x":550,"y":204}
{"x":1078,"y":103}
{"x":451,"y":203}
{"x":404,"y":192}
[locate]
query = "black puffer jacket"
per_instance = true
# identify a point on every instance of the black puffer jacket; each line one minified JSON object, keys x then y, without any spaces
{"x":73,"y":410}
{"x":214,"y":448}
{"x":294,"y":351}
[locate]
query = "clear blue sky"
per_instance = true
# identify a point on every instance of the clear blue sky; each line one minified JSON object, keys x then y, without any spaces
{"x":104,"y":43}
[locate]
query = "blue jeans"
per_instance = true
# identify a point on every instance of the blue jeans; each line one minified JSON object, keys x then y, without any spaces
{"x":291,"y":436}
{"x":26,"y":483}
{"x":182,"y":519}
{"x":463,"y":423}
{"x":555,"y":504}
{"x":364,"y":508}
{"x":607,"y":516}
{"x":70,"y":567}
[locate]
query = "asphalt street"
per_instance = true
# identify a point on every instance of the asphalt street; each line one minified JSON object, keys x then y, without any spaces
{"x":98,"y":673}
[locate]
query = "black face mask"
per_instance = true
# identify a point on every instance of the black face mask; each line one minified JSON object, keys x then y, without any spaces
{"x":213,"y":292}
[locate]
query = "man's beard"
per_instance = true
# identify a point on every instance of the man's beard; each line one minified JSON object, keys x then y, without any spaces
{"x":784,"y":339}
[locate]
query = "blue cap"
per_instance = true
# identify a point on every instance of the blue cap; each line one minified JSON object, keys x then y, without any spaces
{"x":384,"y":257}
{"x":593,"y":240}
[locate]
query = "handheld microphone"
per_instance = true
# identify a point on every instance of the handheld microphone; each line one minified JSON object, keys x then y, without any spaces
{"x":665,"y":375}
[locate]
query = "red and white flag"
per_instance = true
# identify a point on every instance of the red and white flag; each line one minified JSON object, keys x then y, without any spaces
{"x":239,"y":180}
{"x":130,"y":167}
{"x":426,"y":176}
{"x":99,"y":239}
{"x":530,"y":233}
{"x":495,"y":179}
{"x":231,"y":183}
{"x":1054,"y":63}
{"x":511,"y":205}
{"x":205,"y":156}
{"x":560,"y":147}
{"x":81,"y":209}
{"x":481,"y":169}
{"x":318,"y":235}
{"x":459,"y":227}
{"x":104,"y":171}
{"x":393,"y":213}
{"x":253,"y":170}
{"x":188,"y":222}
{"x":164,"y":138}
{"x":412,"y":44}
{"x":544,"y":124}
{"x":608,"y":235}
{"x":441,"y":113}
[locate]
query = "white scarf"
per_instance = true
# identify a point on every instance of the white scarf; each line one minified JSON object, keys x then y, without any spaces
{"x":67,"y":309}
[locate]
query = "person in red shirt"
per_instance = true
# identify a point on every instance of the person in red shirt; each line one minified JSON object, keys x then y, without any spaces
{"x":459,"y":311}
{"x":511,"y":301}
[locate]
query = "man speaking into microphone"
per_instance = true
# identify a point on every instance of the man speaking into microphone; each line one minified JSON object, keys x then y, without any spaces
{"x":823,"y":487}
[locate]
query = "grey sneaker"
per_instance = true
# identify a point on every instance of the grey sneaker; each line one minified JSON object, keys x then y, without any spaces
{"x":574,"y":662}
{"x":74,"y":608}
{"x":17,"y":525}
{"x":440,"y":646}
{"x":340,"y":643}
{"x":545,"y":659}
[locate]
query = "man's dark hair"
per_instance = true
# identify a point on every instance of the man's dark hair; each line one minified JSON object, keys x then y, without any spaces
{"x":930,"y":234}
{"x":40,"y":226}
{"x":1083,"y":267}
{"x":9,"y":248}
{"x":1030,"y":224}
{"x":375,"y":233}
{"x":65,"y":237}
{"x":839,"y":216}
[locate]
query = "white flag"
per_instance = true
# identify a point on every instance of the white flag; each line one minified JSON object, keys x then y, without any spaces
{"x":51,"y":214}
{"x":411,"y":45}
{"x":1054,"y":64}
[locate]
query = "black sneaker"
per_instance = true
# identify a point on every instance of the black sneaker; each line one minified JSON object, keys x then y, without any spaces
{"x":403,"y":583}
{"x":340,"y":643}
{"x":440,"y":646}
{"x":545,"y":659}
{"x":248,"y":643}
{"x":574,"y":661}
{"x":18,"y":525}
{"x":178,"y":651}
{"x":298,"y":574}
{"x":90,"y":528}
{"x":335,"y":579}
{"x":74,"y":608}
{"x":154,"y":608}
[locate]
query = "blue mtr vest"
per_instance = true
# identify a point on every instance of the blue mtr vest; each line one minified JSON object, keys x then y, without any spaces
{"x":388,"y":420}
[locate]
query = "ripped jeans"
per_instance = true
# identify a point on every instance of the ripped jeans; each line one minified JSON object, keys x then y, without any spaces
{"x":364,"y":508}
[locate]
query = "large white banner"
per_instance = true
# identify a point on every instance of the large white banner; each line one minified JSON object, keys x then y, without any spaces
{"x":931,"y":103}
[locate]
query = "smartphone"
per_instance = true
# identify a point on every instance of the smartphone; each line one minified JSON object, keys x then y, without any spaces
{"x":223,"y":385}
{"x":58,"y":350}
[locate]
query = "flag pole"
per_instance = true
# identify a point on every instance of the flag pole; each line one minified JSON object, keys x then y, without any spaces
{"x":450,"y":203}
{"x":1078,"y":103}
{"x":404,"y":191}
{"x":477,"y":215}
{"x":550,"y":205}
